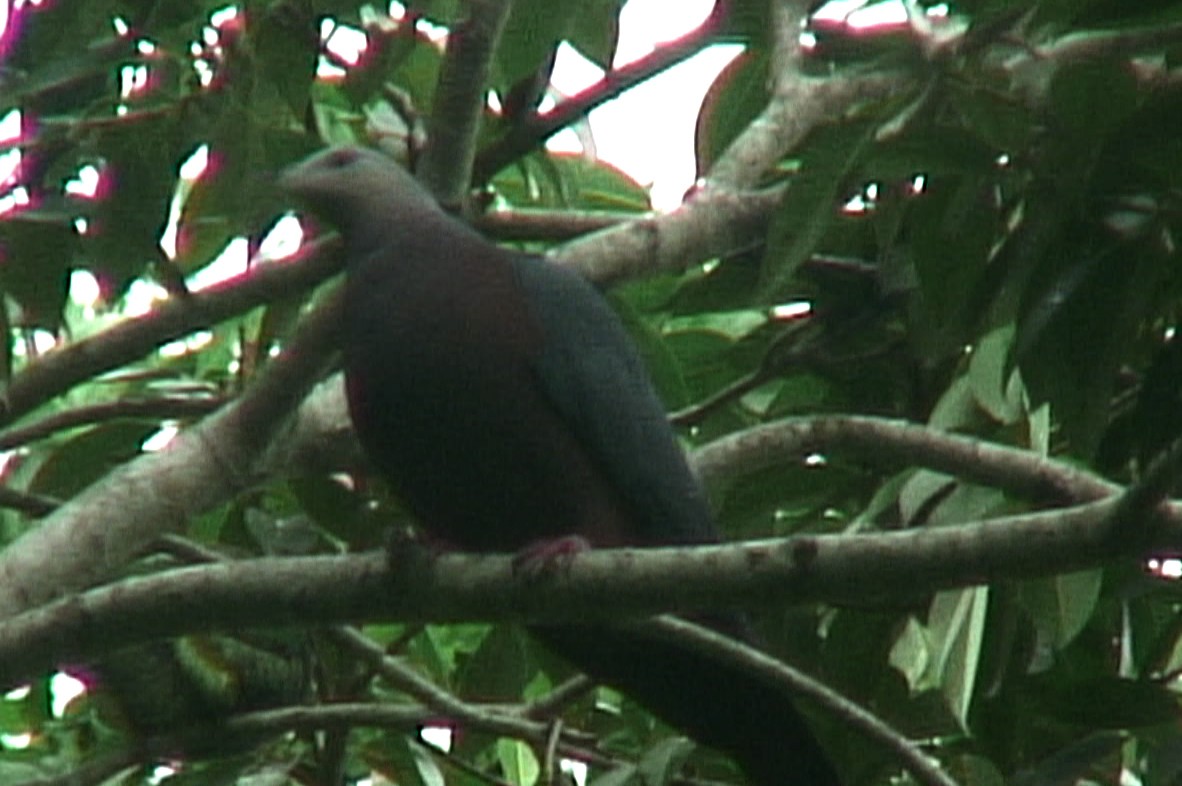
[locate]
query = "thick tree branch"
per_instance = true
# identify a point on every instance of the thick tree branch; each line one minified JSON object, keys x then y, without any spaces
{"x":709,"y":224}
{"x":1138,"y":507}
{"x":546,"y":225}
{"x":446,"y":165}
{"x":798,"y":107}
{"x":1014,"y":470}
{"x":597,"y":585}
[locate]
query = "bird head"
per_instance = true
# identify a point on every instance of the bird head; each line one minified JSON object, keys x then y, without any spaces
{"x":361,"y":192}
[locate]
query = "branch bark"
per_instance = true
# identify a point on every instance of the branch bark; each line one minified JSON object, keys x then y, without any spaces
{"x":608,"y":584}
{"x":446,"y":167}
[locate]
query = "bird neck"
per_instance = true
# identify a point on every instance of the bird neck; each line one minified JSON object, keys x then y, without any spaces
{"x":427,"y":244}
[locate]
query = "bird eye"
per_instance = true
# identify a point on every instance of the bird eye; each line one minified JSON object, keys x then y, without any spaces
{"x":342,"y":157}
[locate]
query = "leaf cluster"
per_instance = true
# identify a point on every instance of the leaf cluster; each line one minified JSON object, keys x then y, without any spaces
{"x":988,"y":247}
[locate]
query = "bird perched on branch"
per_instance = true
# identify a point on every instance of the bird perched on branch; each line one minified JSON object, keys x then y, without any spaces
{"x":505,"y":403}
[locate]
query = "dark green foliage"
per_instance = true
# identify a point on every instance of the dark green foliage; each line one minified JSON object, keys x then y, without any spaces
{"x":987,"y":251}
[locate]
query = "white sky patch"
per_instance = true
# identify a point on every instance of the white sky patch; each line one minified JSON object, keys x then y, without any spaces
{"x":649,"y":131}
{"x":192,"y":343}
{"x":577,"y":770}
{"x":861,"y":15}
{"x":439,"y":736}
{"x":84,"y":288}
{"x":85,"y":183}
{"x":140,"y":297}
{"x":283,"y":240}
{"x":161,"y":438}
{"x":190,"y":170}
{"x":793,"y":310}
{"x":232,"y":261}
{"x":10,"y":126}
{"x":223,"y":15}
{"x":9,"y":161}
{"x":16,"y":741}
{"x":18,"y":197}
{"x":160,"y":772}
{"x":43,"y":341}
{"x":195,"y":164}
{"x":1169,"y":568}
{"x":63,"y":689}
{"x":346,"y":43}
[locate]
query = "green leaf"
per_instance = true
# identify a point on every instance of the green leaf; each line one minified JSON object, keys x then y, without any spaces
{"x":952,"y":227}
{"x":500,"y":668}
{"x":141,"y":157}
{"x":87,"y":457}
{"x":518,"y":762}
{"x":1061,"y":606}
{"x":661,"y":763}
{"x":38,"y":251}
{"x":989,"y":375}
{"x":1091,"y":98}
{"x":573,"y":182}
{"x":737,"y":96}
{"x":534,"y":27}
{"x":1110,"y":702}
{"x":812,"y":201}
{"x":287,"y":43}
{"x":623,"y":775}
{"x":595,"y":30}
{"x":956,"y":623}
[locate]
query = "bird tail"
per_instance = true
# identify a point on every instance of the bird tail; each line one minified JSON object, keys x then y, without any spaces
{"x":717,"y":703}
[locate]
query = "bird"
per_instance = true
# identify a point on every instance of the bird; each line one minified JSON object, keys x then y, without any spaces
{"x":503,"y":400}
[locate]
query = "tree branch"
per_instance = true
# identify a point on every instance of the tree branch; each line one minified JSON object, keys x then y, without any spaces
{"x":59,"y":370}
{"x":97,"y":532}
{"x":546,"y":225}
{"x":607,"y":584}
{"x":711,"y":223}
{"x":1015,"y":470}
{"x":523,"y":137}
{"x":161,"y":408}
{"x":799,"y":685}
{"x":446,"y":165}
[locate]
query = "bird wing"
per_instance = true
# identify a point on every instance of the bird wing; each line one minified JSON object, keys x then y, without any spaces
{"x":594,"y":377}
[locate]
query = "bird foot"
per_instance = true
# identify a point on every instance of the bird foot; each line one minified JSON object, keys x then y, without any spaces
{"x":545,"y":557}
{"x":407,"y":550}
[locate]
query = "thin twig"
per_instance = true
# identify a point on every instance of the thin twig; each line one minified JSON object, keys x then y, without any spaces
{"x":557,"y":700}
{"x":162,"y":408}
{"x":56,"y":372}
{"x":538,"y":127}
{"x":34,"y":505}
{"x":852,"y":715}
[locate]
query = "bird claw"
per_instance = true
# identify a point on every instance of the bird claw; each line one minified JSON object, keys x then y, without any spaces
{"x":407,"y":550}
{"x":546,"y":557}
